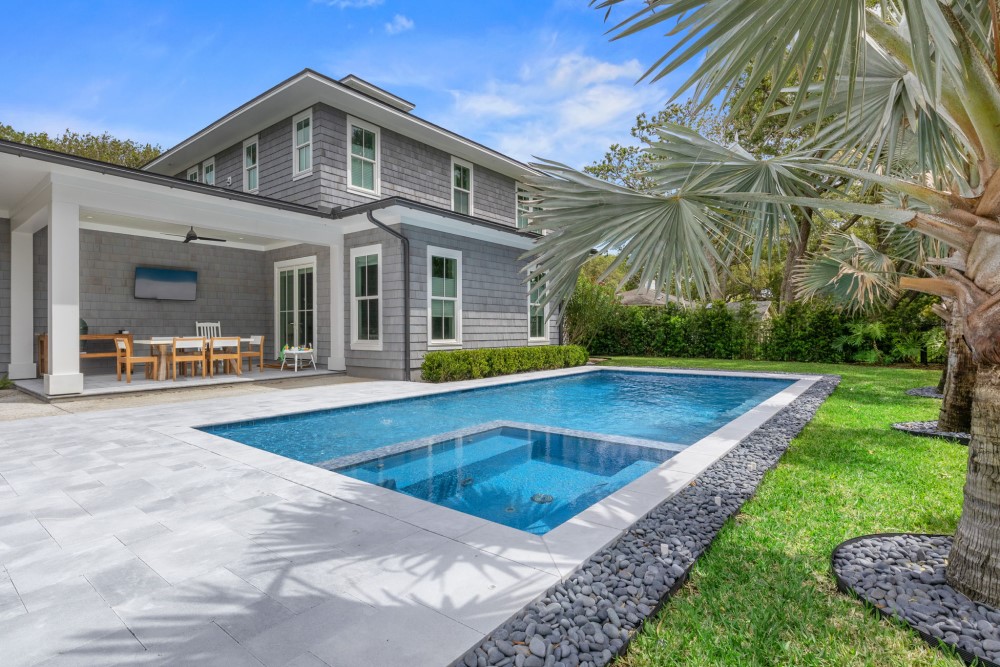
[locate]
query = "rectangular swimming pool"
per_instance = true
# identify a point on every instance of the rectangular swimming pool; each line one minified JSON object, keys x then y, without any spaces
{"x":624,"y":423}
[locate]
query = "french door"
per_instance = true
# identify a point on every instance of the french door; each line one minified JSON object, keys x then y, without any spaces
{"x":294,"y":303}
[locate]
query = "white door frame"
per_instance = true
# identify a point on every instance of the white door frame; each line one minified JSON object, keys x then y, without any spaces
{"x":285,"y":265}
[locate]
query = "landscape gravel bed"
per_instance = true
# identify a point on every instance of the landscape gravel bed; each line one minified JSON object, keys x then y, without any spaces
{"x":925,"y":392}
{"x":902,"y":576}
{"x":589,"y":618}
{"x":929,"y":429}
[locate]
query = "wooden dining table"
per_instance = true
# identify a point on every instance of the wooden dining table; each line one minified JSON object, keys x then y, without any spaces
{"x":161,"y":347}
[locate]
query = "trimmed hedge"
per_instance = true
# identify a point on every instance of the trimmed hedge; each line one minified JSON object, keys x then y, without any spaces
{"x":448,"y":366}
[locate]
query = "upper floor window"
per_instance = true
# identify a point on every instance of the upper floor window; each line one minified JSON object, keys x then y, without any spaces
{"x":461,"y":186}
{"x":302,"y":160}
{"x":208,"y":171}
{"x":523,"y":207}
{"x":366,"y":307}
{"x":363,"y":156}
{"x":251,"y":177}
{"x":444,"y":293}
{"x":192,"y":174}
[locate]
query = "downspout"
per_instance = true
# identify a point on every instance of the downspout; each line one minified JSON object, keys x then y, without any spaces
{"x":406,"y":289}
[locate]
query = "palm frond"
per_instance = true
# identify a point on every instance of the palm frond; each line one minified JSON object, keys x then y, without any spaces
{"x":849,"y":271}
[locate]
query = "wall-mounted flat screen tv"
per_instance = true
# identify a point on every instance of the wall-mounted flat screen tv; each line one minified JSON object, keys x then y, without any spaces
{"x":165,"y":284}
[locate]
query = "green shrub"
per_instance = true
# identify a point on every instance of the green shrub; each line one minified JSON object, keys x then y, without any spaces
{"x":448,"y":366}
{"x":6,"y":382}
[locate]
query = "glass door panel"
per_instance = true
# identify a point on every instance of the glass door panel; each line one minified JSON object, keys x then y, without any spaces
{"x":295,"y":306}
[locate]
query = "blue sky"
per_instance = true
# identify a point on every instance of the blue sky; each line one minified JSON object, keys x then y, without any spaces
{"x":524,"y":77}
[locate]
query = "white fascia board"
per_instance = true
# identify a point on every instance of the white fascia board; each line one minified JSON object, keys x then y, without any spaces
{"x":123,"y":196}
{"x":394,"y":215}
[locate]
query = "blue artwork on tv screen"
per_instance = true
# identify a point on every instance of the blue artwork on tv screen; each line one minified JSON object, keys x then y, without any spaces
{"x":165,"y":284}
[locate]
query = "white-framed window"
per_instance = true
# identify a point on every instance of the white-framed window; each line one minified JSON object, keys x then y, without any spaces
{"x":366,"y":302}
{"x":208,"y":171}
{"x":538,"y":326}
{"x":363,"y":146}
{"x":444,"y":297}
{"x":461,"y":186}
{"x":192,"y":174}
{"x":302,"y":144}
{"x":523,"y":207}
{"x":251,"y":167}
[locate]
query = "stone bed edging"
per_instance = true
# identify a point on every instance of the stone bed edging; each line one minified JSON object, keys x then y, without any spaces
{"x":589,"y":618}
{"x":925,"y":392}
{"x":929,"y":429}
{"x":971,"y":629}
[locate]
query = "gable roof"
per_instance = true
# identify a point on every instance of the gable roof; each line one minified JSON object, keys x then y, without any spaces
{"x":309,"y":87}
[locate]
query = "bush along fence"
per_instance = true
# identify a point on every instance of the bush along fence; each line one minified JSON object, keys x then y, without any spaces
{"x":813,"y":331}
{"x":489,"y":362}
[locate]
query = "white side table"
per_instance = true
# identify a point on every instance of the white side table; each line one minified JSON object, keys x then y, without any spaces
{"x":301,"y":357}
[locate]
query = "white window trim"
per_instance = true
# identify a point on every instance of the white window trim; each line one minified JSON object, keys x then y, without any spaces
{"x":456,"y":255}
{"x":243,"y":164}
{"x":366,"y":344}
{"x":376,"y":193}
{"x":539,"y":340}
{"x":518,"y":187}
{"x":472,"y":183}
{"x":210,"y":162}
{"x":296,"y":174}
{"x":288,"y":264}
{"x":192,"y":171}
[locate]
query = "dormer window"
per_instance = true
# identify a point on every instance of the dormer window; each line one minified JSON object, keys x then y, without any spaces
{"x":208,"y":171}
{"x":250,"y":168}
{"x":461,"y":186}
{"x":192,"y":174}
{"x":302,"y":144}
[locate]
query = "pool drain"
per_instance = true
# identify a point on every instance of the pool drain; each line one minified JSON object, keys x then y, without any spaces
{"x":510,"y":509}
{"x":467,"y":481}
{"x":541,"y":498}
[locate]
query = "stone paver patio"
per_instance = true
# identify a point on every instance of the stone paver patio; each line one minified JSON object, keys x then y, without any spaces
{"x":127,"y":537}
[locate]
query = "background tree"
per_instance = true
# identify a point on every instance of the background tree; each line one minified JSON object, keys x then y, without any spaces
{"x":103,"y":147}
{"x":903,"y":95}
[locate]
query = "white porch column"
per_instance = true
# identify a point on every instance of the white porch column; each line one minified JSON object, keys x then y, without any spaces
{"x":22,"y":311}
{"x":337,"y":360}
{"x":64,"y":375}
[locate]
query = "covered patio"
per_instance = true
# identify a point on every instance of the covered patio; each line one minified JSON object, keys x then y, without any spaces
{"x":77,"y":232}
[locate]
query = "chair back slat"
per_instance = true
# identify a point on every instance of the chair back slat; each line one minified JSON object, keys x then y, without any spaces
{"x":208,"y":329}
{"x":228,"y":341}
{"x":190,"y":343}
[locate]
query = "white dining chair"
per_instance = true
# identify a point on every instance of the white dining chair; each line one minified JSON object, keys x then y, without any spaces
{"x":208,"y":329}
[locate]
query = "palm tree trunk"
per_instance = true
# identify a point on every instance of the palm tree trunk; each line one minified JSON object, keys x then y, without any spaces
{"x":956,"y":409}
{"x":943,"y":381}
{"x":974,"y":564}
{"x":796,"y":251}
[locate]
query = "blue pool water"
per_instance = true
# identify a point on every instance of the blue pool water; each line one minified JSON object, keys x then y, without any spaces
{"x":529,"y":480}
{"x":655,"y":406}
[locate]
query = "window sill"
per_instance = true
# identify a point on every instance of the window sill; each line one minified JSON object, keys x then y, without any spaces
{"x":302,"y":174}
{"x":538,"y":341}
{"x":364,"y":193}
{"x":252,"y":192}
{"x":445,"y":345}
{"x":369,"y":345}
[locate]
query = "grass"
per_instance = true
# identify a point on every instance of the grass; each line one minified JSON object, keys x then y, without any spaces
{"x":763,"y":594}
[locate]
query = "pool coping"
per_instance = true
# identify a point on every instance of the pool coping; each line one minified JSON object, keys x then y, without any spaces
{"x":560,"y":551}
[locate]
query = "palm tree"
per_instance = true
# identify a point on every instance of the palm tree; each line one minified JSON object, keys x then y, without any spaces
{"x":908,"y":92}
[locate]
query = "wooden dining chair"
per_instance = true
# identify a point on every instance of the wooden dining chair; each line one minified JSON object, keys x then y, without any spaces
{"x":126,"y":359}
{"x":188,"y":351}
{"x":249,"y":353}
{"x":224,"y":349}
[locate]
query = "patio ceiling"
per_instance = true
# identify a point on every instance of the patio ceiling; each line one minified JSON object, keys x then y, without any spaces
{"x":116,"y":223}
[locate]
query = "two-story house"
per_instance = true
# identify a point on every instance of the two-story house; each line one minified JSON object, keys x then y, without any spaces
{"x":341,"y":221}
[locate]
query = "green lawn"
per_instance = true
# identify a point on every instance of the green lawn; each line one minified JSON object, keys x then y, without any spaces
{"x":763,"y":594}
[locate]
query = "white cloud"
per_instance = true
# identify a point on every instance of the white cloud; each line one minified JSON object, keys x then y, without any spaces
{"x":398,"y":24}
{"x":568,"y":107}
{"x":349,"y":4}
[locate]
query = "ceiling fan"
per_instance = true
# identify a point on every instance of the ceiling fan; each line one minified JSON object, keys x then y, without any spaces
{"x":193,"y":236}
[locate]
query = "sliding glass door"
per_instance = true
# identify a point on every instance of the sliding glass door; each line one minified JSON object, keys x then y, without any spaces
{"x":294,"y":303}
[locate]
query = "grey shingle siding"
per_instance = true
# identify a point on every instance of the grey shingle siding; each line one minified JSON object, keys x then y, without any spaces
{"x":494,"y":298}
{"x":408,"y":168}
{"x":4,"y":294}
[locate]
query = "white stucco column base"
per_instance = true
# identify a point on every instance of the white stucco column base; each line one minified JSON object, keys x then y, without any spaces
{"x":22,"y":370}
{"x":336,"y":364}
{"x":61,"y":385}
